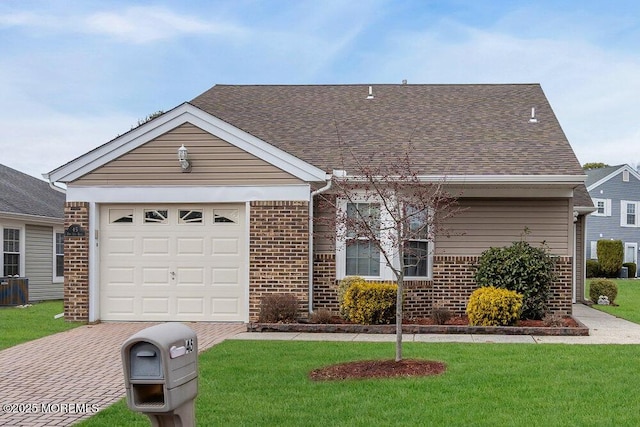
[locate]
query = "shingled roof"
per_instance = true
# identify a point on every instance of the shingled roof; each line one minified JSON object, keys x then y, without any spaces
{"x":452,"y":129}
{"x":25,"y":195}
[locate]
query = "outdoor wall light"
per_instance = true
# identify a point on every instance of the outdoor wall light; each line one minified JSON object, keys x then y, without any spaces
{"x":183,"y":158}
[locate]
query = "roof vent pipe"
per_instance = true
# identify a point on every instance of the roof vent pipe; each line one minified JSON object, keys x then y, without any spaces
{"x":370,"y":96}
{"x":533,"y":116}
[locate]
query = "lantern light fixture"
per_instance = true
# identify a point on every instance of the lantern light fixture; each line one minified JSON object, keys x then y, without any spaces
{"x":183,"y":158}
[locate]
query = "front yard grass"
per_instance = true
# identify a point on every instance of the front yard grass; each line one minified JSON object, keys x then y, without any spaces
{"x":628,"y":300}
{"x":18,"y":325}
{"x":265,"y":383}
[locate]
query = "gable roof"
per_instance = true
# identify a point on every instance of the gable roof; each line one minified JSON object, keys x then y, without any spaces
{"x":597,"y":177}
{"x":22,"y":194}
{"x":454,"y":130}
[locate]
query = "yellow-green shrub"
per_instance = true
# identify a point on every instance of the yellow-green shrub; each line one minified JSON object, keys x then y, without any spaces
{"x":342,"y":289}
{"x":370,"y":303}
{"x":491,"y":306}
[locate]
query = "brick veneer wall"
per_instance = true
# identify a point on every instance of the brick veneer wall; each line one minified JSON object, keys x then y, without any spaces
{"x":452,"y":284}
{"x":76,"y":264}
{"x":278,"y":252}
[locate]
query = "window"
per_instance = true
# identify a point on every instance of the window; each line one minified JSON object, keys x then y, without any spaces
{"x":594,"y":249}
{"x":416,"y":257}
{"x":156,"y":216}
{"x":603,"y":206}
{"x":625,"y":176}
{"x":229,"y":216}
{"x":120,"y":216}
{"x":11,"y":252}
{"x":58,"y":266}
{"x":362,"y":255}
{"x":629,"y":213}
{"x":190,"y":216}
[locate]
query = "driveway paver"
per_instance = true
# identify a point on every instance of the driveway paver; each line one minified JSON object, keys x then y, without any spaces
{"x":63,"y":378}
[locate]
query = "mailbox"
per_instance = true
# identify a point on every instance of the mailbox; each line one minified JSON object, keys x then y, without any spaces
{"x":161,"y":371}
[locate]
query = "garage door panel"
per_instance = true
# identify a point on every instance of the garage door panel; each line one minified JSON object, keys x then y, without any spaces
{"x":174,"y":270}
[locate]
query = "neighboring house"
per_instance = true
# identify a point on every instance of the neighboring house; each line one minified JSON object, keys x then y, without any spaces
{"x":205,"y":238}
{"x":32,"y":233}
{"x":615,"y":191}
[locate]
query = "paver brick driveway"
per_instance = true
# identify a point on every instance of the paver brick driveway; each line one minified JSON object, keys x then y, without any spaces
{"x":73,"y":373}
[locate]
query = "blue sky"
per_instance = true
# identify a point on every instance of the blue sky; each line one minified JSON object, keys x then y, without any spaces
{"x":75,"y":74}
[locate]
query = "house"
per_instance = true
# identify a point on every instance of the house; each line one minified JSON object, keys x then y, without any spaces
{"x":615,"y":191}
{"x":32,"y":233}
{"x":198,"y":213}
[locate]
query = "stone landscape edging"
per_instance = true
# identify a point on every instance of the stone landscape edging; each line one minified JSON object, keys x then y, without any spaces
{"x":580,"y":330}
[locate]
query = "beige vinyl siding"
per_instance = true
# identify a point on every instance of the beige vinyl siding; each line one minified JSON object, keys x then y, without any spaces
{"x":39,"y":264}
{"x":486,"y":223}
{"x":214,"y":161}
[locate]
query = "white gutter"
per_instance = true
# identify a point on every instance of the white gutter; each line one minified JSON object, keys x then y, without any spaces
{"x":313,"y":194}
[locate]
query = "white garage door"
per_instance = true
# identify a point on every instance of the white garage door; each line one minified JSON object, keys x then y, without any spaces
{"x":173,"y":262}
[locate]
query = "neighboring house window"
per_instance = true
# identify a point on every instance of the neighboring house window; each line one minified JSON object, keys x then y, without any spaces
{"x":594,"y":249}
{"x":59,"y":256}
{"x":417,"y":253}
{"x":362,"y":255}
{"x":625,"y":176}
{"x":11,"y":252}
{"x":603,"y":206}
{"x":629,"y":213}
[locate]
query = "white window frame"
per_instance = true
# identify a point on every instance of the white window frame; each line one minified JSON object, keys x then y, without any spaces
{"x":56,"y":278}
{"x":22,"y":253}
{"x":623,"y":213}
{"x":606,"y":204}
{"x":385,"y":221}
{"x":594,"y":249}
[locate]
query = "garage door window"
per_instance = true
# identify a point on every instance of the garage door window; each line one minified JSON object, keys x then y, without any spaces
{"x":155,"y":216}
{"x":190,"y":216}
{"x":120,"y":216}
{"x":221,"y":216}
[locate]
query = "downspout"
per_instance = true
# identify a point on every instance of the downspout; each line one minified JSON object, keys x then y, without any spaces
{"x":313,"y":194}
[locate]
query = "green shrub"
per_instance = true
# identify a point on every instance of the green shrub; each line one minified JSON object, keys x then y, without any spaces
{"x":593,"y":268}
{"x":342,"y":289}
{"x":370,"y":303}
{"x":632,"y":267}
{"x":521,"y":268}
{"x":491,"y":306}
{"x":610,"y":257}
{"x":604,"y":287}
{"x":278,"y":308}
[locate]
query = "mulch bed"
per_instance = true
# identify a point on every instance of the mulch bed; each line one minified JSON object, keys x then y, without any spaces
{"x":378,"y":369}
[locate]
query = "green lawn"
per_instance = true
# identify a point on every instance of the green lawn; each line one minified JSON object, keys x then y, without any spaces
{"x":19,"y":325}
{"x":628,"y":300}
{"x":257,"y":383}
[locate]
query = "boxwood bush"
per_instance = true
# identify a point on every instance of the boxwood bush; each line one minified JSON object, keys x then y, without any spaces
{"x":604,"y":287}
{"x":632,"y":267}
{"x":370,"y":303}
{"x":521,"y":268}
{"x":491,"y":306}
{"x":593,"y":268}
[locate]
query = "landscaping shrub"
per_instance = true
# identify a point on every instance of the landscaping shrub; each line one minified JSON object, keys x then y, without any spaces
{"x":521,"y":268}
{"x":604,"y":287}
{"x":342,"y":289}
{"x":278,"y":308}
{"x":632,"y":267}
{"x":593,"y":268}
{"x":321,"y":315}
{"x":370,"y":303}
{"x":491,"y":306}
{"x":440,"y":315}
{"x":610,"y":257}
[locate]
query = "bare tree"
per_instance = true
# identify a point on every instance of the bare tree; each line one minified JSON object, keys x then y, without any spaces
{"x":386,"y":209}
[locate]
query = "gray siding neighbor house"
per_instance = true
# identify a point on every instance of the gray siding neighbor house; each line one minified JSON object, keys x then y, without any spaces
{"x":615,"y":191}
{"x":32,"y":233}
{"x":200,"y":213}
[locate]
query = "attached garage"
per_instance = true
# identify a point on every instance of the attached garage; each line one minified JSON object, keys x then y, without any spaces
{"x":184,"y":262}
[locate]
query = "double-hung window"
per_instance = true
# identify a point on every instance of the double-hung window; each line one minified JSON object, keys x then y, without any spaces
{"x":629,"y":213}
{"x":416,"y":251}
{"x":58,"y":261}
{"x":11,"y":252}
{"x":603,"y":207}
{"x":362,"y":254}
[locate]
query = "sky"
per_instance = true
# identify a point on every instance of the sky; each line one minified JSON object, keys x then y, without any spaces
{"x":75,"y":74}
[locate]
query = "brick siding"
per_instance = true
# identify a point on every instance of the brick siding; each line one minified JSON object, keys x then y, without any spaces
{"x":452,"y":285}
{"x":278,"y":252}
{"x":76,"y":264}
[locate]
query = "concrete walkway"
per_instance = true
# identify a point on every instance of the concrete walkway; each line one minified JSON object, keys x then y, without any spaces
{"x":63,"y":378}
